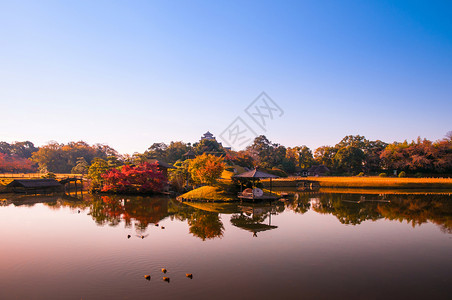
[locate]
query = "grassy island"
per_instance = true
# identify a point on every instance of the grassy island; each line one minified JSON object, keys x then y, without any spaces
{"x":208,"y":193}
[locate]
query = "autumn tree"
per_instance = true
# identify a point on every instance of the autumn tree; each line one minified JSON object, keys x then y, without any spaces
{"x":143,"y":178}
{"x":14,"y":163}
{"x":206,"y":168}
{"x":421,"y":156}
{"x":301,"y":156}
{"x":240,"y":158}
{"x":61,"y":158}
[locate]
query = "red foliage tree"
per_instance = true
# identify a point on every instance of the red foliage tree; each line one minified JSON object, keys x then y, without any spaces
{"x":13,"y":163}
{"x":142,"y":178}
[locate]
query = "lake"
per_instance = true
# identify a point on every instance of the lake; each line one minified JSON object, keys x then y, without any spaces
{"x":322,"y":245}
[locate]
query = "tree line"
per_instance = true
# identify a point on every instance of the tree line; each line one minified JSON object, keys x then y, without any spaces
{"x":353,"y":155}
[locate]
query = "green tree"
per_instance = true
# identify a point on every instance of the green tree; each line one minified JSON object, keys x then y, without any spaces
{"x":324,"y":155}
{"x":209,"y":147}
{"x":265,"y":153}
{"x":157,"y":151}
{"x":180,"y":176}
{"x":350,"y":159}
{"x":97,"y":168}
{"x":301,"y":155}
{"x":176,"y":151}
{"x":81,"y":167}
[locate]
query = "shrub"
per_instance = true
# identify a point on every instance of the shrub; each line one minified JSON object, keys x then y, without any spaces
{"x":402,"y":174}
{"x":49,"y":175}
{"x":383,"y":175}
{"x":277,"y":172}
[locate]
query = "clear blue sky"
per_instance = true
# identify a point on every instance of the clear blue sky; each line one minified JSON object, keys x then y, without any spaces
{"x":131,"y":73}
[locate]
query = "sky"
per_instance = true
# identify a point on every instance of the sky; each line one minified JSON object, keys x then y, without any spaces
{"x":132,"y":73}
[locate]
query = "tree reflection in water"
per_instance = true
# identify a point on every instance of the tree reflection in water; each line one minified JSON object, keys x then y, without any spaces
{"x":206,"y":225}
{"x":143,"y":211}
{"x":204,"y":219}
{"x":415,"y":209}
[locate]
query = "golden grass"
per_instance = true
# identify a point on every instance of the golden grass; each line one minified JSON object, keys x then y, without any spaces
{"x":372,"y":182}
{"x":207,"y":193}
{"x":376,"y":191}
{"x":227,"y":174}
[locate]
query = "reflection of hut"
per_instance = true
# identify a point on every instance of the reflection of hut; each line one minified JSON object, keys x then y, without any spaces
{"x":253,"y":176}
{"x":253,"y":222}
{"x":35,"y":186}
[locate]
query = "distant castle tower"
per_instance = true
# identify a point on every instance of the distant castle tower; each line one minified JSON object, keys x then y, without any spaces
{"x":208,"y":136}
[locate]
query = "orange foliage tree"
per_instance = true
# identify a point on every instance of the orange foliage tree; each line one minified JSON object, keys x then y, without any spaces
{"x":206,"y":168}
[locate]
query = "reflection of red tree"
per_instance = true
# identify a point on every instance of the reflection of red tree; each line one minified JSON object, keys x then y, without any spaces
{"x":112,"y":207}
{"x":142,"y":178}
{"x":142,"y":210}
{"x":10,"y":163}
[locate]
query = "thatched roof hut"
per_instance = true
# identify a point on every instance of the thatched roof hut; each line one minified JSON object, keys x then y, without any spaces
{"x":35,"y":186}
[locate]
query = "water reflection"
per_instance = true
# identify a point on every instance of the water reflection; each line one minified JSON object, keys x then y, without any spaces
{"x":356,"y":208}
{"x":205,"y":219}
{"x":251,"y":218}
{"x":206,"y":225}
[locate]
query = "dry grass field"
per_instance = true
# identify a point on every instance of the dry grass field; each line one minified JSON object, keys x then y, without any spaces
{"x":6,"y":178}
{"x":371,"y":182}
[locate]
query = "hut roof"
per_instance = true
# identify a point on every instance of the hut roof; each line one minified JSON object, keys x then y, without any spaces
{"x":255,"y":174}
{"x":319,"y":169}
{"x":161,"y":164}
{"x":190,"y":153}
{"x":34,"y":183}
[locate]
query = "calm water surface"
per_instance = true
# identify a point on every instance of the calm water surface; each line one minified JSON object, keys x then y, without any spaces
{"x":315,"y":246}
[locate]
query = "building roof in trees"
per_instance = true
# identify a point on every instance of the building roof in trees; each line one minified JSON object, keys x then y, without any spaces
{"x":190,"y":153}
{"x":161,"y":164}
{"x":34,"y":183}
{"x":320,"y":169}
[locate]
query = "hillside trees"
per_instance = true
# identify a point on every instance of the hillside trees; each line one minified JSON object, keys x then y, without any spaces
{"x":14,"y":163}
{"x":61,"y":158}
